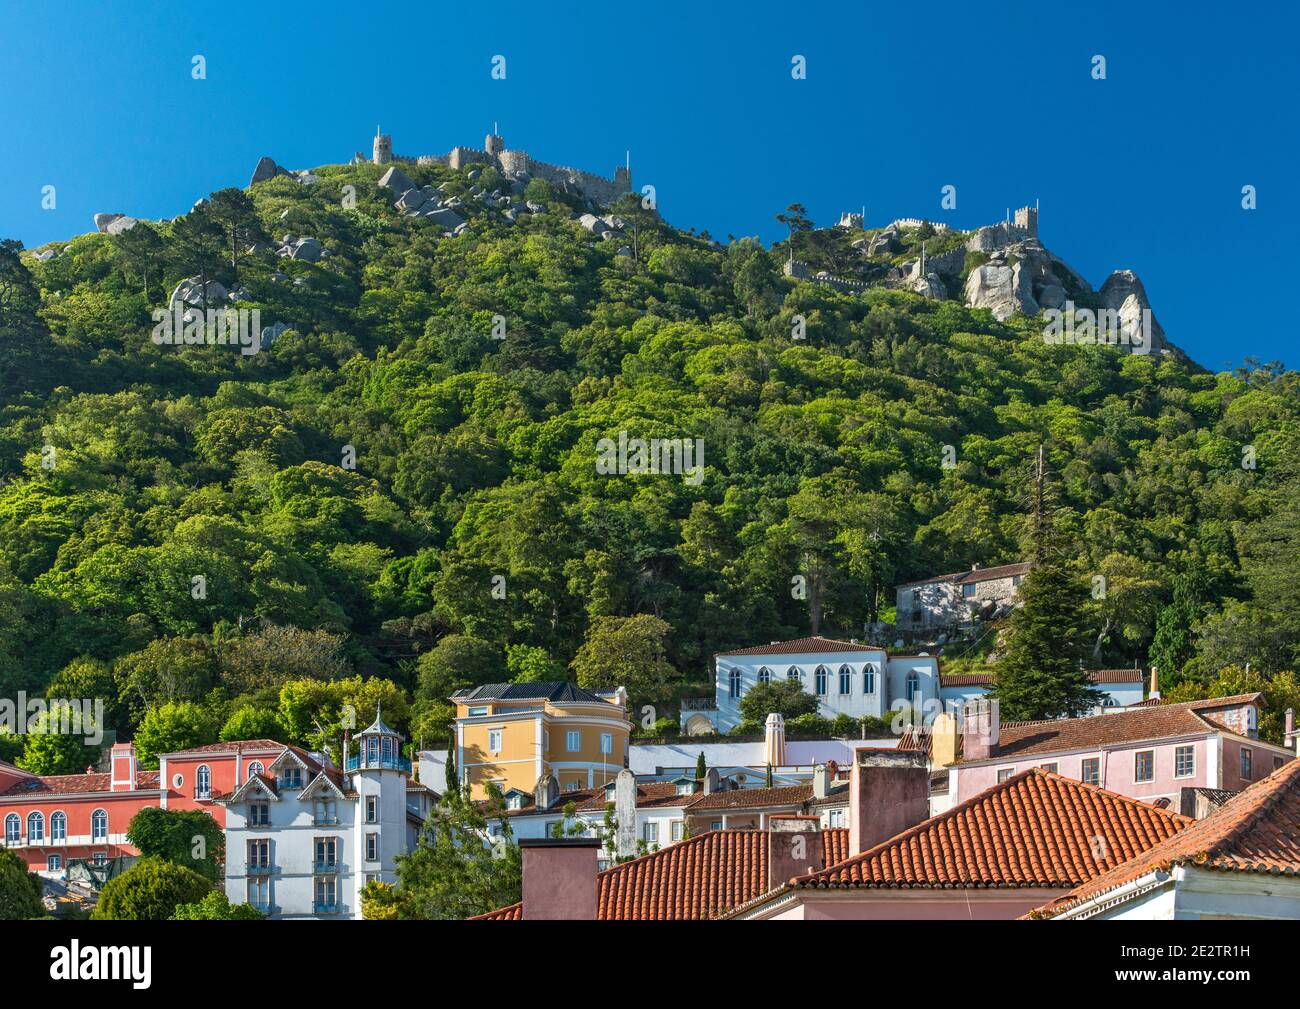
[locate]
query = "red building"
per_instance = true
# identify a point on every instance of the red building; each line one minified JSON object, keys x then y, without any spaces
{"x":49,"y":819}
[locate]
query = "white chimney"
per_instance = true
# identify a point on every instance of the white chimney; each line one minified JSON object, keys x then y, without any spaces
{"x":774,"y":741}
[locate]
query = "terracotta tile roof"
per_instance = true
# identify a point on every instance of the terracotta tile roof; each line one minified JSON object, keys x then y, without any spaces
{"x":238,"y":745}
{"x":973,"y":575}
{"x":648,"y":795}
{"x":801,"y":645}
{"x":1256,"y":831}
{"x":753,"y":798}
{"x":1019,"y":739}
{"x":69,"y":784}
{"x":1034,"y":829}
{"x":694,"y":879}
{"x":986,"y":679}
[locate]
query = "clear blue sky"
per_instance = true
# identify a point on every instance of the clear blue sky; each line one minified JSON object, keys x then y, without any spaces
{"x":1142,"y":170}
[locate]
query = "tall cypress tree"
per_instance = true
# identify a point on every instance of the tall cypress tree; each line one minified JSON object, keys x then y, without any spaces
{"x":1041,"y":674}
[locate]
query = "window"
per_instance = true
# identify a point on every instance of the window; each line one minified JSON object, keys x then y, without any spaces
{"x":918,"y":616}
{"x":255,"y":768}
{"x":100,"y":858}
{"x":716,"y":825}
{"x":1144,"y":765}
{"x":1246,"y":758}
{"x":35,"y":828}
{"x":1090,"y":773}
{"x":99,"y":825}
{"x":573,"y":740}
{"x":326,"y":894}
{"x":733,"y":684}
{"x":846,"y":680}
{"x":678,"y":830}
{"x":868,"y":679}
{"x":326,"y":854}
{"x":1278,"y":761}
{"x":259,"y":814}
{"x":476,"y":712}
{"x":571,"y":786}
{"x":820,"y":678}
{"x":913,"y":688}
{"x":291,"y":777}
{"x":764,"y":674}
{"x":372,"y":809}
{"x":54,"y":863}
{"x":58,"y":826}
{"x":372,"y":847}
{"x":794,"y":674}
{"x":13,"y":828}
{"x":1051,"y":767}
{"x":651,"y":831}
{"x":1005,"y":772}
{"x":1015,"y":581}
{"x":546,"y":740}
{"x":259,"y":892}
{"x":1184,"y":761}
{"x":258,"y":853}
{"x":968,"y":590}
{"x":835,"y":818}
{"x":607,"y":742}
{"x":326,"y":811}
{"x":494,"y":740}
{"x":203,"y":782}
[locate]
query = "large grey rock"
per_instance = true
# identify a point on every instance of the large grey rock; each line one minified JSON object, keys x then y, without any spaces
{"x":445,"y":218}
{"x":271,"y":333}
{"x":307,"y":249}
{"x":120,"y":225}
{"x":190,"y":294}
{"x":102,"y":221}
{"x":266,"y":169}
{"x":396,"y":180}
{"x":1124,"y":293}
{"x":993,"y":286}
{"x":412,"y":199}
{"x":593,"y":223}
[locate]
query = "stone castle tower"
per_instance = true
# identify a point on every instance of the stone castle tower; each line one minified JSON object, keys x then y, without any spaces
{"x":1027,"y":218}
{"x":494,"y":144}
{"x":384,"y":149}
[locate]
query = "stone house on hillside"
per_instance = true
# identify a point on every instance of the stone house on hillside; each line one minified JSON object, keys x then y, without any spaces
{"x":955,"y":600}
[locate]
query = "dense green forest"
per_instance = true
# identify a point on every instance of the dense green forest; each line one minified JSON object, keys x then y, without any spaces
{"x":473,"y":538}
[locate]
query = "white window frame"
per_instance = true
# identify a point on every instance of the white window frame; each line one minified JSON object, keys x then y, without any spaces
{"x":58,"y":825}
{"x":607,"y":743}
{"x":13,"y":829}
{"x":650,"y":831}
{"x":372,"y":846}
{"x":846,"y":680}
{"x":495,"y":740}
{"x":54,"y":863}
{"x":203,"y":782}
{"x":868,"y":679}
{"x":372,"y":809}
{"x":1004,"y":773}
{"x":97,"y":835}
{"x":573,"y":741}
{"x":678,"y":830}
{"x":821,"y":678}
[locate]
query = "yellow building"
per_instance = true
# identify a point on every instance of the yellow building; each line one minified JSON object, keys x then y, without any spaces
{"x":515,"y":733}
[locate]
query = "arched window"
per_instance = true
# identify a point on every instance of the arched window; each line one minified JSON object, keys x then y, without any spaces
{"x":795,"y":674}
{"x":99,"y":825}
{"x":764,"y":674}
{"x":820,"y":680}
{"x":255,"y":768}
{"x":35,"y":828}
{"x":58,"y":826}
{"x":868,"y":679}
{"x":203,"y":782}
{"x":13,"y":828}
{"x":846,"y":680}
{"x":733,"y":684}
{"x":913,"y":688}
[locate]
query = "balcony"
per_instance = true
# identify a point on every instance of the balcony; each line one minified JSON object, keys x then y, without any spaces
{"x":699,"y":704}
{"x":325,"y":866}
{"x":258,"y":868}
{"x":388,"y":763}
{"x":325,"y":821}
{"x":325,"y":907}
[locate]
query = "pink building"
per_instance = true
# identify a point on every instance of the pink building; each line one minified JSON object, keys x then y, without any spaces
{"x":1149,"y":753}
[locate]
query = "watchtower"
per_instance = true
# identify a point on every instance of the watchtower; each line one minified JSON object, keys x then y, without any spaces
{"x":383,"y":151}
{"x":1027,"y":220}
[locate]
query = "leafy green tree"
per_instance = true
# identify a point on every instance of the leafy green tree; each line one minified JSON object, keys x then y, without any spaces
{"x":59,"y":742}
{"x":20,"y":890}
{"x":626,"y":652}
{"x":786,"y":698}
{"x":190,"y":838}
{"x":151,"y":890}
{"x":458,"y":661}
{"x":249,"y":722}
{"x":529,"y":664}
{"x":140,"y":252}
{"x":170,"y":728}
{"x":216,"y":906}
{"x":235,"y":213}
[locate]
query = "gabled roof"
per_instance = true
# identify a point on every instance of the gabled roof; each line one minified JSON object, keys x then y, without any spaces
{"x":74,"y":784}
{"x":1258,"y":831}
{"x":974,"y":575}
{"x":752,"y":798}
{"x":1129,"y":725}
{"x":541,"y":691}
{"x":986,"y":679}
{"x":694,"y":879}
{"x":649,"y":795}
{"x":799,"y":646}
{"x":254,"y":782}
{"x":1034,"y":829}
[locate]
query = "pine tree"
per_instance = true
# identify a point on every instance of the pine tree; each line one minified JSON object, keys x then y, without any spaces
{"x":701,"y":768}
{"x":1041,"y":673}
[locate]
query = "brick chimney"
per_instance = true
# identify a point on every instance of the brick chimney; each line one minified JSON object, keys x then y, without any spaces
{"x":943,"y":739}
{"x":122,"y":768}
{"x":889,"y":791}
{"x":794,"y":848}
{"x":559,"y":878}
{"x":980,"y":727}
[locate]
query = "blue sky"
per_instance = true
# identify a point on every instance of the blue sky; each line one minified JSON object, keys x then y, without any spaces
{"x":1143,"y":170}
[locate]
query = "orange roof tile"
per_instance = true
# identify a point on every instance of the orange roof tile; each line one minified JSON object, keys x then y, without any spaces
{"x":986,"y":679}
{"x":1256,"y":831}
{"x":694,"y":879}
{"x":71,"y":784}
{"x":799,"y":646}
{"x":753,"y":798}
{"x":1034,"y":829}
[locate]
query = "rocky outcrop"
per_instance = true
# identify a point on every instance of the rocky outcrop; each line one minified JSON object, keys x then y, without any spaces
{"x":396,"y":180}
{"x":190,"y":293}
{"x":266,"y":169}
{"x":1124,"y":294}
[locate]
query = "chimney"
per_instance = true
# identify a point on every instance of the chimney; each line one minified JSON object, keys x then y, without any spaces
{"x":889,"y":791}
{"x":1155,"y":684}
{"x":546,"y":793}
{"x":122,"y":768}
{"x":821,"y":781}
{"x":794,"y":848}
{"x":559,"y":878}
{"x":774,"y":741}
{"x":943,"y":740}
{"x":625,"y":813}
{"x":980,"y":729}
{"x":711,"y":781}
{"x":1290,"y":735}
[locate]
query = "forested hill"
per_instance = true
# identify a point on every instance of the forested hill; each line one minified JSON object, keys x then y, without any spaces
{"x":476,"y":509}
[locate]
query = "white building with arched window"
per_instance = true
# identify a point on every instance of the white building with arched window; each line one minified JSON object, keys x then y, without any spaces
{"x":846,"y":678}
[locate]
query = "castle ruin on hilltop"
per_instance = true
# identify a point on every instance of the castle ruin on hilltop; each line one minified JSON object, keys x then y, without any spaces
{"x":513,"y":165}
